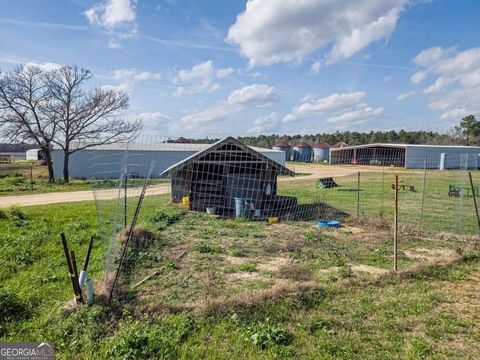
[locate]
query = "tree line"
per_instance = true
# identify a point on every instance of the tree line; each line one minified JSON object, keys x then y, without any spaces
{"x":357,"y":138}
{"x":54,"y":109}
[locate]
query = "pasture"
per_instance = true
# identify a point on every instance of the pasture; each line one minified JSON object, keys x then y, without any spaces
{"x":252,"y":289}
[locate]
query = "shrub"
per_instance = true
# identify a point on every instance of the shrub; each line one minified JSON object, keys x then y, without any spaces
{"x":137,"y":340}
{"x":238,"y":252}
{"x":248,"y":267}
{"x":319,"y":325}
{"x":17,"y":216}
{"x":11,"y":309}
{"x":164,"y":218}
{"x":3,"y":214}
{"x":345,"y":272}
{"x":205,"y":248}
{"x":16,"y":213}
{"x":310,"y":236}
{"x":265,"y":334}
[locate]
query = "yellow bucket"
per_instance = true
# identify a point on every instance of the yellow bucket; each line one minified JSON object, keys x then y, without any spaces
{"x":273,"y":220}
{"x":185,"y":200}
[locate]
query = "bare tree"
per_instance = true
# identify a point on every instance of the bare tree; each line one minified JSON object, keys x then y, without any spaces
{"x":86,"y":118}
{"x":24,"y":116}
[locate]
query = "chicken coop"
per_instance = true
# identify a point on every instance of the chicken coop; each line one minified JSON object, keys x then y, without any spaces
{"x":230,"y":179}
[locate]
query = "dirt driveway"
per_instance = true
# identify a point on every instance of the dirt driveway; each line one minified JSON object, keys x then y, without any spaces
{"x":74,"y":196}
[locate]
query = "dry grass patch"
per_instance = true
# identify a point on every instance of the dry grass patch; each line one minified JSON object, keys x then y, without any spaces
{"x":247,"y":301}
{"x":433,"y":256}
{"x":295,"y":272}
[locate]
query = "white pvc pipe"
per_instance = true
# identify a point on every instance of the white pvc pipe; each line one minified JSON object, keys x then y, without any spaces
{"x":443,"y":157}
{"x":81,"y":278}
{"x":90,"y":291}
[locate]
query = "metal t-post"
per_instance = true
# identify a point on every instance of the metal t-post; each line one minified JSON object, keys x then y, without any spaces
{"x":395,"y":225}
{"x":125,"y":201}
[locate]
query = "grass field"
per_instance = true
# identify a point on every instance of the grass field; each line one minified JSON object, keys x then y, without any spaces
{"x":428,"y":208}
{"x":26,"y":177}
{"x":242,"y":289}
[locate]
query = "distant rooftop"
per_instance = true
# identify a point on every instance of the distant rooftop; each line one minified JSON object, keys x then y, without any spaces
{"x":162,"y":146}
{"x":405,"y":146}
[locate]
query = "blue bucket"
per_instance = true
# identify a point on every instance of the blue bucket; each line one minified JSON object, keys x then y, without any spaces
{"x":328,"y":223}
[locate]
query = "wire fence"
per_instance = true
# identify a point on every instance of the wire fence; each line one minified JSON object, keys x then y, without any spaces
{"x":228,"y":179}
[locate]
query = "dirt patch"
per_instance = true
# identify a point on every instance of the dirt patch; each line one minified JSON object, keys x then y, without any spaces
{"x":369,"y":269}
{"x":274,"y":264}
{"x":354,"y":230}
{"x":433,"y":256}
{"x":235,"y":260}
{"x":465,"y":297}
{"x":246,"y":276}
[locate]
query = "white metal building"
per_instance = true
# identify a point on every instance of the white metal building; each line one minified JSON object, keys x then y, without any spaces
{"x":410,"y":156}
{"x":109,"y":161}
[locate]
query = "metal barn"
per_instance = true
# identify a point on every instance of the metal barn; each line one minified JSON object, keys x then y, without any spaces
{"x":410,"y":156}
{"x":109,"y":161}
{"x":226,"y":173}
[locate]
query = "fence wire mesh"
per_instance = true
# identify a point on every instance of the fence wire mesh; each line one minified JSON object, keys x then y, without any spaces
{"x":228,"y":179}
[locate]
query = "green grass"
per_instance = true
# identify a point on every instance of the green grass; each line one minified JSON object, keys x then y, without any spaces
{"x":15,"y":179}
{"x":428,"y":209}
{"x":251,"y":290}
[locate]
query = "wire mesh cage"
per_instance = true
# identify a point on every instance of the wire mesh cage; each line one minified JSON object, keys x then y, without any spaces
{"x":228,"y":179}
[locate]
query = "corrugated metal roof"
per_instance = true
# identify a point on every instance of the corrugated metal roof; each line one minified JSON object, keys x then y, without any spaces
{"x":302,"y":144}
{"x":404,"y":146}
{"x":340,"y":144}
{"x":163,"y":146}
{"x":234,"y":141}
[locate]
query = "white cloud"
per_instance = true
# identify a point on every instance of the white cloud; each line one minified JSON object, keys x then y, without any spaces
{"x":357,"y":116}
{"x":438,"y":85}
{"x":265,"y":123}
{"x":219,"y":111}
{"x":361,"y":37}
{"x":428,"y":56}
{"x":256,"y":95}
{"x":200,"y":78}
{"x":405,"y":95}
{"x":455,"y":90}
{"x":221,"y":73}
{"x":127,"y":78}
{"x":152,"y":118}
{"x":135,"y":75}
{"x":387,"y":78}
{"x":117,"y":17}
{"x":271,"y":31}
{"x":112,"y":13}
{"x":154,"y":122}
{"x":114,"y":44}
{"x":331,"y":103}
{"x":316,"y":66}
{"x":418,"y":77}
{"x":338,"y":108}
{"x":454,"y":114}
{"x":48,"y":66}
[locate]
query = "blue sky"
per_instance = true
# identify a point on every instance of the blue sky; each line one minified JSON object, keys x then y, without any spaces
{"x":215,"y":68}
